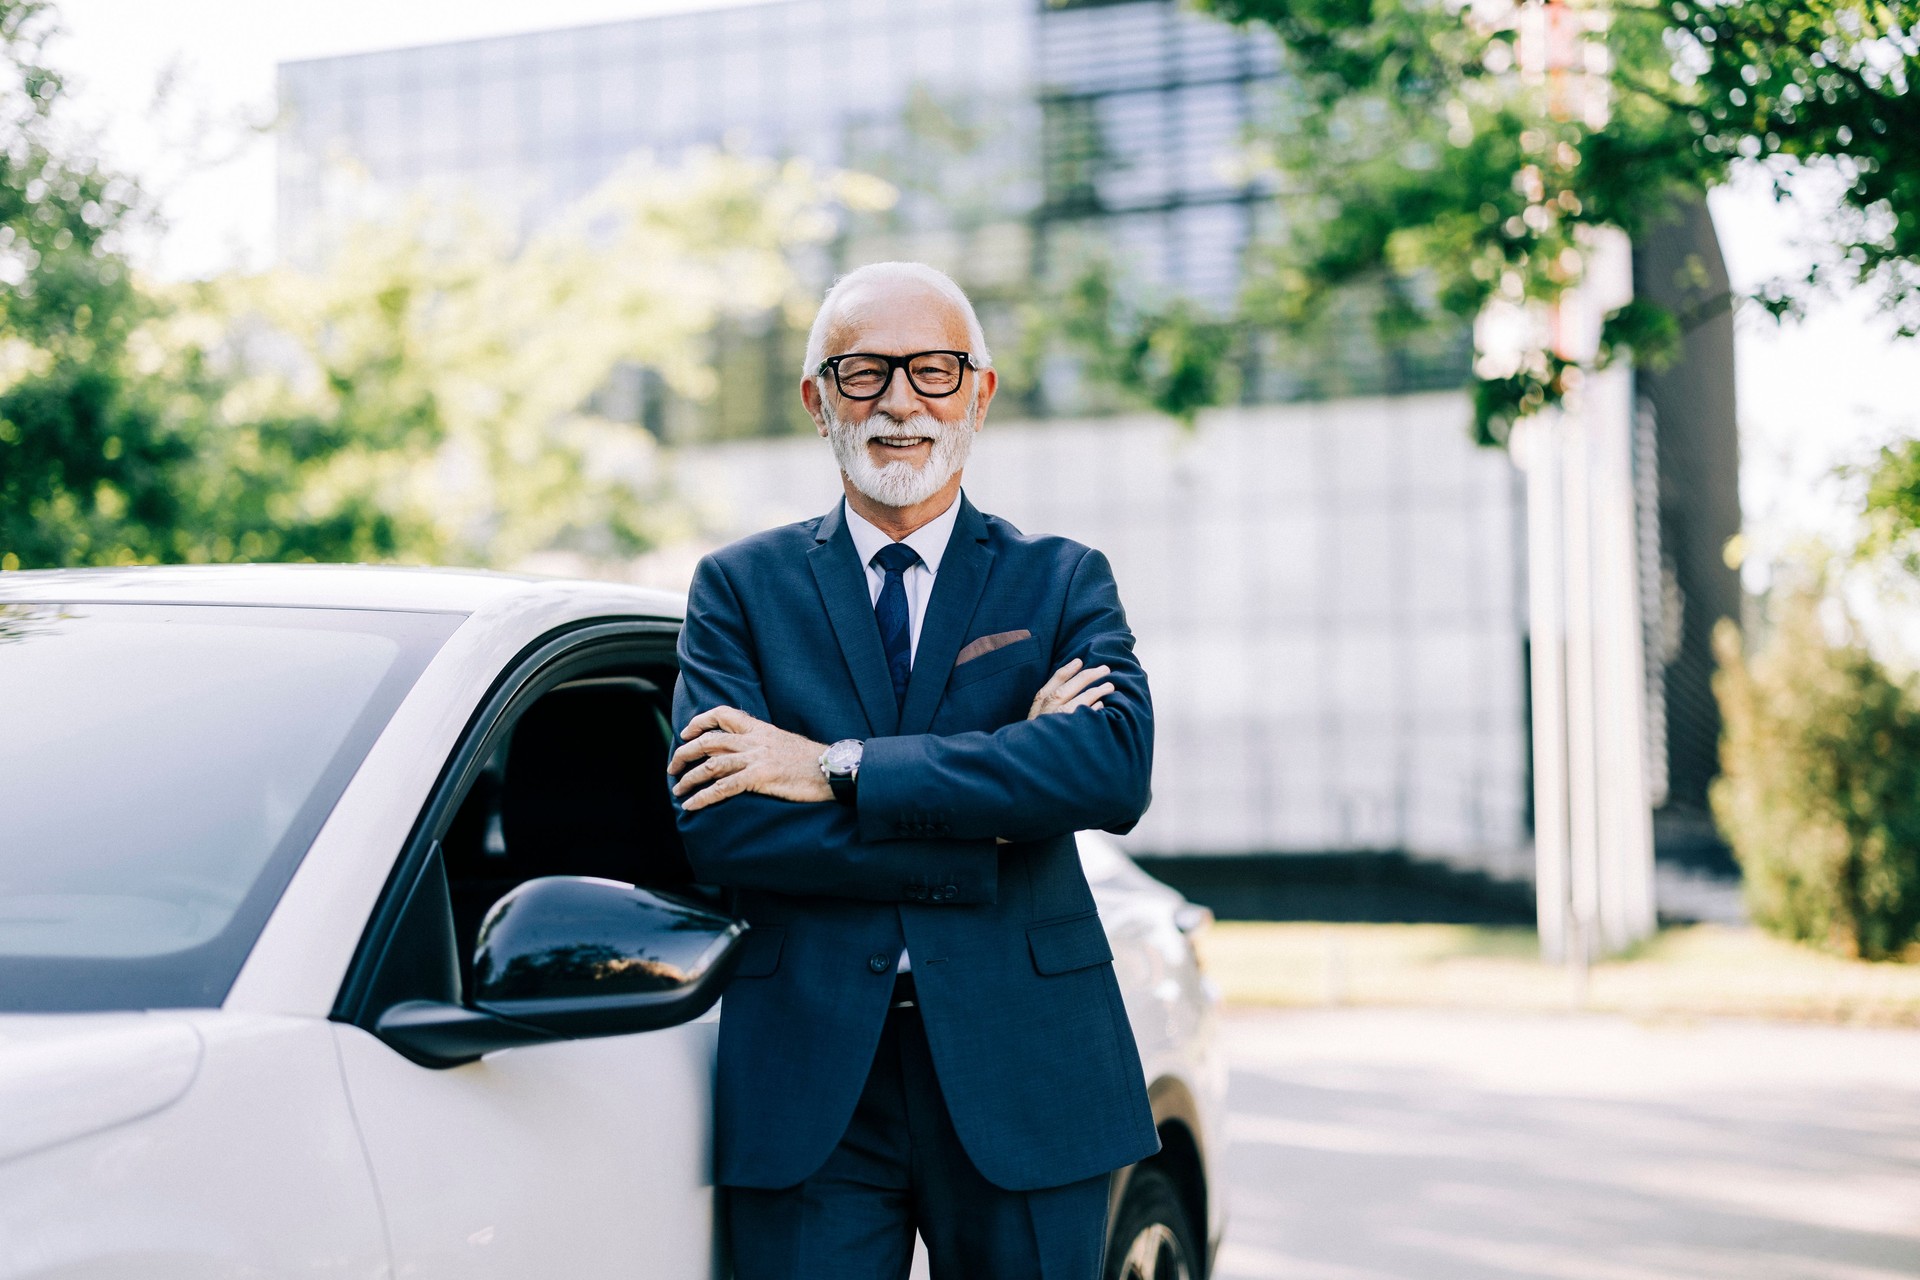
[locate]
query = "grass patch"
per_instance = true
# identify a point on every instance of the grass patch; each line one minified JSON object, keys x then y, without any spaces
{"x":1694,"y":971}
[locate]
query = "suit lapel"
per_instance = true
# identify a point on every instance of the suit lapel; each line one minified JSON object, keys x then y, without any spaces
{"x":843,"y":589}
{"x":956,"y":594}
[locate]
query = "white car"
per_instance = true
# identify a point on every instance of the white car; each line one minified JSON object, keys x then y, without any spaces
{"x":341,"y":935}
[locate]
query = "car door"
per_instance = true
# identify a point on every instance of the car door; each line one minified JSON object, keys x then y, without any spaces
{"x":577,"y":1158}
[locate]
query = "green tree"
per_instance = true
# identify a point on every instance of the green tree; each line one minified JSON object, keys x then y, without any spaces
{"x":1172,"y":357}
{"x":1892,"y":507}
{"x":115,"y":444}
{"x":85,"y":458}
{"x":1820,"y":791}
{"x":1415,"y":159}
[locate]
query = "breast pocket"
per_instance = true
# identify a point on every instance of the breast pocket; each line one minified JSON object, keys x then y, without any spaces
{"x":1007,"y":658}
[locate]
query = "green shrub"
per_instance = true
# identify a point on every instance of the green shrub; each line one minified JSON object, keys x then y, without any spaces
{"x":1820,"y":790}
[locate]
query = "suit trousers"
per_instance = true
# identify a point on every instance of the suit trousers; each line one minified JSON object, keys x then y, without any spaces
{"x":899,"y":1169}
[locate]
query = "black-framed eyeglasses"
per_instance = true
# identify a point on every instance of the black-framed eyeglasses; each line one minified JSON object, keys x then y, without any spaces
{"x":862,"y":375}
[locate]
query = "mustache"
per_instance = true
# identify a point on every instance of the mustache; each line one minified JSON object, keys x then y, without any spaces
{"x":920,"y":424}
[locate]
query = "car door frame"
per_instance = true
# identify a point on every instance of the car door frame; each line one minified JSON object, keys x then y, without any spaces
{"x":564,"y":654}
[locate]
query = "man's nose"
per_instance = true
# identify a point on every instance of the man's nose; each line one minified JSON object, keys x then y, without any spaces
{"x":899,"y":401}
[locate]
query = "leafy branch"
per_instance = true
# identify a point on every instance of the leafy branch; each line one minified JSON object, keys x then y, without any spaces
{"x":1414,"y":158}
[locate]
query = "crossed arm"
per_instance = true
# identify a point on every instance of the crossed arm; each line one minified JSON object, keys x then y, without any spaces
{"x":728,"y":752}
{"x":753,"y":802}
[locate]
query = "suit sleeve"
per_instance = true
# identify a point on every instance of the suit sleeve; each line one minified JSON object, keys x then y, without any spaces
{"x":1036,"y":778}
{"x":750,"y":841}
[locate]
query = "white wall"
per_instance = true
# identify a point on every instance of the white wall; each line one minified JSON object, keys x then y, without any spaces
{"x":1328,"y":599}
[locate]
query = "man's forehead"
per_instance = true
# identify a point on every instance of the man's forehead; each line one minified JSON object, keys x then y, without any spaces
{"x":896,"y":316}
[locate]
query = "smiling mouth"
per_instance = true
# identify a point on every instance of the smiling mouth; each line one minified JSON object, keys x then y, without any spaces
{"x":899,"y":443}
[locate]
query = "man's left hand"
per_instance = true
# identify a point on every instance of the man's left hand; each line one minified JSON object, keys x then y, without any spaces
{"x":729,"y":752}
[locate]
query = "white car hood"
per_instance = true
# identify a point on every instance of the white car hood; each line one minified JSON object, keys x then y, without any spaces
{"x":63,"y":1076}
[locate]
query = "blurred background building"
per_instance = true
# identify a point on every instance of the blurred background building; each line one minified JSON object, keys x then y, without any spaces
{"x":1328,"y":581}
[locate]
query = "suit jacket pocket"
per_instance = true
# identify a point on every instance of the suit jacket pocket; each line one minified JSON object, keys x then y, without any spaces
{"x":1006,"y":657}
{"x":987,"y":644}
{"x":760,"y":952}
{"x":1078,"y":942}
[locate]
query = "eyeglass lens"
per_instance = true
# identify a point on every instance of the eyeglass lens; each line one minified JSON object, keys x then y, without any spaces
{"x":933,"y":373}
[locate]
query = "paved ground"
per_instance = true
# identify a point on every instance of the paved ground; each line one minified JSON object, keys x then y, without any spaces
{"x":1424,"y":1145}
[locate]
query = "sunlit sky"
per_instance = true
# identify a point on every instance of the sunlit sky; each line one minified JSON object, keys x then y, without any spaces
{"x":1813,"y":395}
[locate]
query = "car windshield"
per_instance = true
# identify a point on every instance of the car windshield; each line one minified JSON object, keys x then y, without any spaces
{"x":163,"y":768}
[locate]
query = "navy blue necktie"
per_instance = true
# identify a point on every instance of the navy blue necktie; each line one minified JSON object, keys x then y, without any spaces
{"x":890,"y":611}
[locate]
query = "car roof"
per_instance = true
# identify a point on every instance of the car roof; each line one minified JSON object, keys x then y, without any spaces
{"x":325,"y":586}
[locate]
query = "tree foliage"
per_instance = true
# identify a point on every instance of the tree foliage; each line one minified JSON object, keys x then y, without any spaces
{"x":1892,"y":507}
{"x":85,"y":457}
{"x":1413,"y":153}
{"x":1174,"y":358}
{"x":1820,"y":791}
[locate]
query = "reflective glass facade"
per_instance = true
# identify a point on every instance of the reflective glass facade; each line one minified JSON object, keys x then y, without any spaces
{"x":934,"y":94}
{"x":1025,"y":139}
{"x":1146,"y":109}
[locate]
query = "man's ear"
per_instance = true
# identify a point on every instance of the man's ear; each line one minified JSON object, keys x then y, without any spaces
{"x":816,"y":407}
{"x":989,"y":383}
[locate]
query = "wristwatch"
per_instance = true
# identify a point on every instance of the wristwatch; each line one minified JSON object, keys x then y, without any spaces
{"x":840,"y":765}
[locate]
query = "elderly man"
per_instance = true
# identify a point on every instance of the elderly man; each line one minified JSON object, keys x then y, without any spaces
{"x":894,"y":718}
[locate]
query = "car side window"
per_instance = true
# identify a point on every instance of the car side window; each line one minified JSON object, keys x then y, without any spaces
{"x":575,"y":787}
{"x":564,"y":775}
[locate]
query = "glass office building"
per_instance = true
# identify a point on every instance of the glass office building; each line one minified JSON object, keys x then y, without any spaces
{"x":1025,"y":139}
{"x":532,"y":121}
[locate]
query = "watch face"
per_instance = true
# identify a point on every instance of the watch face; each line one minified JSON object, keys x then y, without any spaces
{"x":842,"y":756}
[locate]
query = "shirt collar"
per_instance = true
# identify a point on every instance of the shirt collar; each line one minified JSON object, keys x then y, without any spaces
{"x":929,"y":540}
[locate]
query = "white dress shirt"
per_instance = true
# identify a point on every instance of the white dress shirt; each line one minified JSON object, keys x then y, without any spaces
{"x":930,"y":542}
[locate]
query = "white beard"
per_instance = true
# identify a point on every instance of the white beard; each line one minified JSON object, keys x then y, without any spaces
{"x":901,"y":483}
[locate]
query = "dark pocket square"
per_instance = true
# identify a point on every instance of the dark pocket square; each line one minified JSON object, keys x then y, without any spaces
{"x":987,"y":644}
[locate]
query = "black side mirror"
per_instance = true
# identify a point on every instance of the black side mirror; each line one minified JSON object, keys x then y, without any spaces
{"x":567,"y":957}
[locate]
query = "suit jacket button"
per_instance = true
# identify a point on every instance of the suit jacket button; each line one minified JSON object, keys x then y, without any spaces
{"x":879,"y":962}
{"x":949,"y":891}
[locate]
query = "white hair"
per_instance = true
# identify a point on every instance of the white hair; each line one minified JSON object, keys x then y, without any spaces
{"x":919,"y":272}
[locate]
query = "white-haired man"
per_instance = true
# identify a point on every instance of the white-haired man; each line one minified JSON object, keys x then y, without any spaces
{"x":925,"y":1032}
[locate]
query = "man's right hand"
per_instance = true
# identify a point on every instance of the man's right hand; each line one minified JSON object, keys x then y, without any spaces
{"x":1070,"y":689}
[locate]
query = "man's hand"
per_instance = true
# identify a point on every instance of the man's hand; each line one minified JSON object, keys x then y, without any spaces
{"x":730,"y":752}
{"x":1070,"y":689}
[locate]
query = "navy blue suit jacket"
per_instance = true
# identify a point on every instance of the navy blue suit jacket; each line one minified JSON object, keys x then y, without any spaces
{"x":1015,"y":979}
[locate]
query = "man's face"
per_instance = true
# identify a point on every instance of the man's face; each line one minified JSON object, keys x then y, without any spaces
{"x":902,"y":447}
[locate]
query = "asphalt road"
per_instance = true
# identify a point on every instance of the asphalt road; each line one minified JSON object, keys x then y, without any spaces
{"x":1426,"y":1145}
